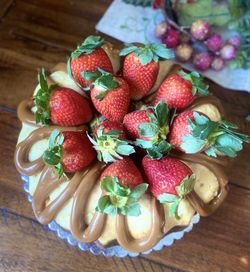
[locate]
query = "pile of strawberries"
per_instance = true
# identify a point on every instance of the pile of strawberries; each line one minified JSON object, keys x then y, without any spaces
{"x":127,"y":133}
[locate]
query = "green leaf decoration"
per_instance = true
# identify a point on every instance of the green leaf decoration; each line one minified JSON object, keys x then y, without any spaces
{"x":101,"y":95}
{"x":138,"y":191}
{"x":186,"y":186}
{"x":133,"y":210}
{"x":167,"y":198}
{"x":173,"y":202}
{"x":198,"y":86}
{"x":173,"y":209}
{"x":52,"y":156}
{"x":89,"y":75}
{"x":148,"y":129}
{"x":210,"y":152}
{"x":162,"y":113}
{"x":42,"y":97}
{"x":109,"y":146}
{"x":119,"y":198}
{"x":148,"y":52}
{"x":159,"y":151}
{"x":155,"y":131}
{"x":191,"y":144}
{"x":144,"y":143}
{"x":88,"y":45}
{"x":214,"y":136}
{"x":101,"y":78}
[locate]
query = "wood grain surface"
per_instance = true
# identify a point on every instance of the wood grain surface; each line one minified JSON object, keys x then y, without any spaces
{"x":37,"y":34}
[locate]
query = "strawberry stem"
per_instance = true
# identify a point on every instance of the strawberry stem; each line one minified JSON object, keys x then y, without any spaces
{"x":198,"y":86}
{"x":217,"y":137}
{"x":52,"y":156}
{"x":148,"y":52}
{"x":42,"y":98}
{"x":88,"y":46}
{"x":173,"y":200}
{"x":103,"y":79}
{"x":156,"y":130}
{"x":119,"y":198}
{"x":109,"y":147}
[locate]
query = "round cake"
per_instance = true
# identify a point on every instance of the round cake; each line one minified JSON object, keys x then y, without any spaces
{"x":122,"y":147}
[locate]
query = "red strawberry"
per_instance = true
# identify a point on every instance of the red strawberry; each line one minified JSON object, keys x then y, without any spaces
{"x":141,"y":67}
{"x":169,"y":180}
{"x":60,"y":106}
{"x":150,"y":128}
{"x":165,"y":175}
{"x":133,"y":120}
{"x":180,"y":89}
{"x":126,"y":172}
{"x":179,"y":130}
{"x":110,"y":95}
{"x":194,"y":132}
{"x":111,"y":125}
{"x":87,"y":57}
{"x":110,"y":143}
{"x":122,"y":186}
{"x":69,"y":151}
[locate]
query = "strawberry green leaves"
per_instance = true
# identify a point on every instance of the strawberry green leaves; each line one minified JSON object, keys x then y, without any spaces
{"x":148,"y":52}
{"x":42,"y":97}
{"x":186,"y":186}
{"x":52,"y":156}
{"x":103,"y":79}
{"x":109,"y":147}
{"x":120,"y":199}
{"x":215,"y":137}
{"x":156,"y":131}
{"x":198,"y":86}
{"x":88,"y":45}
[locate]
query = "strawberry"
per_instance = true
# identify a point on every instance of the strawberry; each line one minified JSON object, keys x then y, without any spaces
{"x":60,"y":106}
{"x":180,"y":89}
{"x":149,"y":128}
{"x":169,"y":180}
{"x":109,"y":141}
{"x":121,"y":183}
{"x":111,"y":126}
{"x":69,"y":151}
{"x":109,"y":94}
{"x":141,"y":67}
{"x":87,"y":57}
{"x":194,"y":132}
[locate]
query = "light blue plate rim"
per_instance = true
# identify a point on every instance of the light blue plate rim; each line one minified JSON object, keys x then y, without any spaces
{"x":116,"y":250}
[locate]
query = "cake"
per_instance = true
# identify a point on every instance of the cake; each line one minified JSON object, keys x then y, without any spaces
{"x":138,"y":217}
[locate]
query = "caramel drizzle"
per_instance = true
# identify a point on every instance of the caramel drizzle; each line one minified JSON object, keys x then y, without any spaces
{"x":125,"y":239}
{"x":77,"y":226}
{"x":81,"y":185}
{"x":25,"y":114}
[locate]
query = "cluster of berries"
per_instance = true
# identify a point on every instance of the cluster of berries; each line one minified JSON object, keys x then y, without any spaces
{"x":205,"y":48}
{"x":123,"y":136}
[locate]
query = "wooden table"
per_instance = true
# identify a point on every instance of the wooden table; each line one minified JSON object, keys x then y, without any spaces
{"x":36,"y":34}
